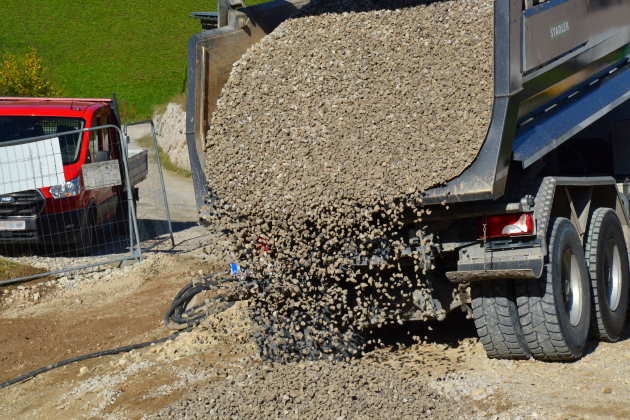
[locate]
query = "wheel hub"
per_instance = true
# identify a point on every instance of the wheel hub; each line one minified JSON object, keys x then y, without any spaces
{"x":572,"y":291}
{"x":612,"y":273}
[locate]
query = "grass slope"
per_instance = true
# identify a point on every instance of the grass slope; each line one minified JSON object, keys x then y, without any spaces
{"x":165,"y":159}
{"x":137,"y":49}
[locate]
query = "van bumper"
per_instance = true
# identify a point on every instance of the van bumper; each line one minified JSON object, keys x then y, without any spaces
{"x":43,"y":229}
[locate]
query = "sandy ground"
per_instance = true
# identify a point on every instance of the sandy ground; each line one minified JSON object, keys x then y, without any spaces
{"x":180,"y":196}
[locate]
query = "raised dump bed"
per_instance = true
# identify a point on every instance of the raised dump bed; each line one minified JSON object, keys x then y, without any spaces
{"x":211,"y":55}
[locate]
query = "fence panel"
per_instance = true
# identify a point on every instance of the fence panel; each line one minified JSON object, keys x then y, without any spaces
{"x":155,"y":225}
{"x":67,"y":196}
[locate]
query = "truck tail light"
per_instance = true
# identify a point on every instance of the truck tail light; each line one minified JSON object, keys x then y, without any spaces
{"x":507,"y":225}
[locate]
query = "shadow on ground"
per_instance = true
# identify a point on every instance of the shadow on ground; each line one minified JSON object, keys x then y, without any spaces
{"x":449,"y":332}
{"x":108,"y":241}
{"x":152,"y":229}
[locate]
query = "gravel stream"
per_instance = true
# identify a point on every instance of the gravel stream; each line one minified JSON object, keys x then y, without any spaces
{"x":325,"y":135}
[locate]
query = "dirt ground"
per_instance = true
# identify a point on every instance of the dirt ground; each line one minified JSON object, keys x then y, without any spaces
{"x":112,"y":307}
{"x":214,"y":372}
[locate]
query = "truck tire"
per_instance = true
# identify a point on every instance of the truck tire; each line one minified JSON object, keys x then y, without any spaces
{"x":555,"y":310}
{"x":607,"y":259}
{"x":497,"y":321}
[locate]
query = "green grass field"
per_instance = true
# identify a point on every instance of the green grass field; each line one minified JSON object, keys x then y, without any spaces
{"x":137,"y":49}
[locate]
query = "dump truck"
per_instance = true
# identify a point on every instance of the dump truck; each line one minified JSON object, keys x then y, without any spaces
{"x":531,"y":239}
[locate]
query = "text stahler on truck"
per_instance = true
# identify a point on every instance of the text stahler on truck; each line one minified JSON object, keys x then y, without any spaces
{"x":534,"y":243}
{"x":68,"y":213}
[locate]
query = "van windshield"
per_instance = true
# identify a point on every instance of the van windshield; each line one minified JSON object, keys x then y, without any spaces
{"x":21,"y":127}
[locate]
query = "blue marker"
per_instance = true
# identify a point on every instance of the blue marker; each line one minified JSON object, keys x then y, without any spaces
{"x":235,"y":269}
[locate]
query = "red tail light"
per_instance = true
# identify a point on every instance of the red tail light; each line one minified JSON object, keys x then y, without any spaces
{"x":507,"y":225}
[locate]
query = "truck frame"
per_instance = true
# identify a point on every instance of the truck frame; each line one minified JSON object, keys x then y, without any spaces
{"x":531,"y":239}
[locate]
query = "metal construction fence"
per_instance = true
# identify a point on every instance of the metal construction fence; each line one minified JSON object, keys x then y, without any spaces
{"x":68,"y":198}
{"x":155,"y":218}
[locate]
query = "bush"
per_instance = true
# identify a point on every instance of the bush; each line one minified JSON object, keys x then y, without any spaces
{"x":24,"y":76}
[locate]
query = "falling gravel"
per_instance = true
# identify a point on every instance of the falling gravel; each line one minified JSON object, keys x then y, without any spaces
{"x":324,"y":138}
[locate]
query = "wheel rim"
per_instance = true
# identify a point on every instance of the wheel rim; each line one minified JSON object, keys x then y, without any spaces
{"x":612,"y":273}
{"x":571,"y":286}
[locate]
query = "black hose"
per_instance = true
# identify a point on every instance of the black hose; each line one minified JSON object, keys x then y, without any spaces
{"x":177,"y":313}
{"x":117,"y":350}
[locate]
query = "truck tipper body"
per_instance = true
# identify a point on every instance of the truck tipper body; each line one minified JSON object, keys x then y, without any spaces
{"x":531,"y":239}
{"x":67,"y":213}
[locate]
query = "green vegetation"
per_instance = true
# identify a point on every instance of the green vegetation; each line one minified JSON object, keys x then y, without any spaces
{"x":137,"y":49}
{"x":24,"y":76}
{"x":165,"y":160}
{"x":11,"y":270}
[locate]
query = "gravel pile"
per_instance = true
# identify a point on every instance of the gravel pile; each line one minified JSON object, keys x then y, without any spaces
{"x":318,"y":390}
{"x":324,"y":139}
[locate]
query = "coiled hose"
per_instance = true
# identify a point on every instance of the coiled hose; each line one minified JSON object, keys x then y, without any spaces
{"x":181,"y":314}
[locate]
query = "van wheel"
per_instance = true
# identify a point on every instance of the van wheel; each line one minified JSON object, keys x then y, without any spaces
{"x":555,"y":310}
{"x":496,"y":320}
{"x":87,"y":232}
{"x":607,"y":258}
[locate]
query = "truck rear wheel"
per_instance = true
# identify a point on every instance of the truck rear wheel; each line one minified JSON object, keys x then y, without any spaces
{"x":496,"y":320}
{"x":555,"y":310}
{"x":607,"y":258}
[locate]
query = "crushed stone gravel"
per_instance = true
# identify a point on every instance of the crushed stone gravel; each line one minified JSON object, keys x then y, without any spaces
{"x":324,"y":138}
{"x":170,"y":126}
{"x":368,"y":104}
{"x":316,"y":390}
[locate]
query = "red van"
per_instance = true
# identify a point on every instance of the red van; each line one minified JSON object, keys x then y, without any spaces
{"x":65,"y":213}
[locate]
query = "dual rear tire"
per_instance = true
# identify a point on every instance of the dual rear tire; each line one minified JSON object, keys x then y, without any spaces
{"x":497,"y":321}
{"x":607,"y":258}
{"x":579,"y":292}
{"x":555,"y":311}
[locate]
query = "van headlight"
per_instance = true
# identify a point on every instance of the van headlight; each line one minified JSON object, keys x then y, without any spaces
{"x":68,"y":189}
